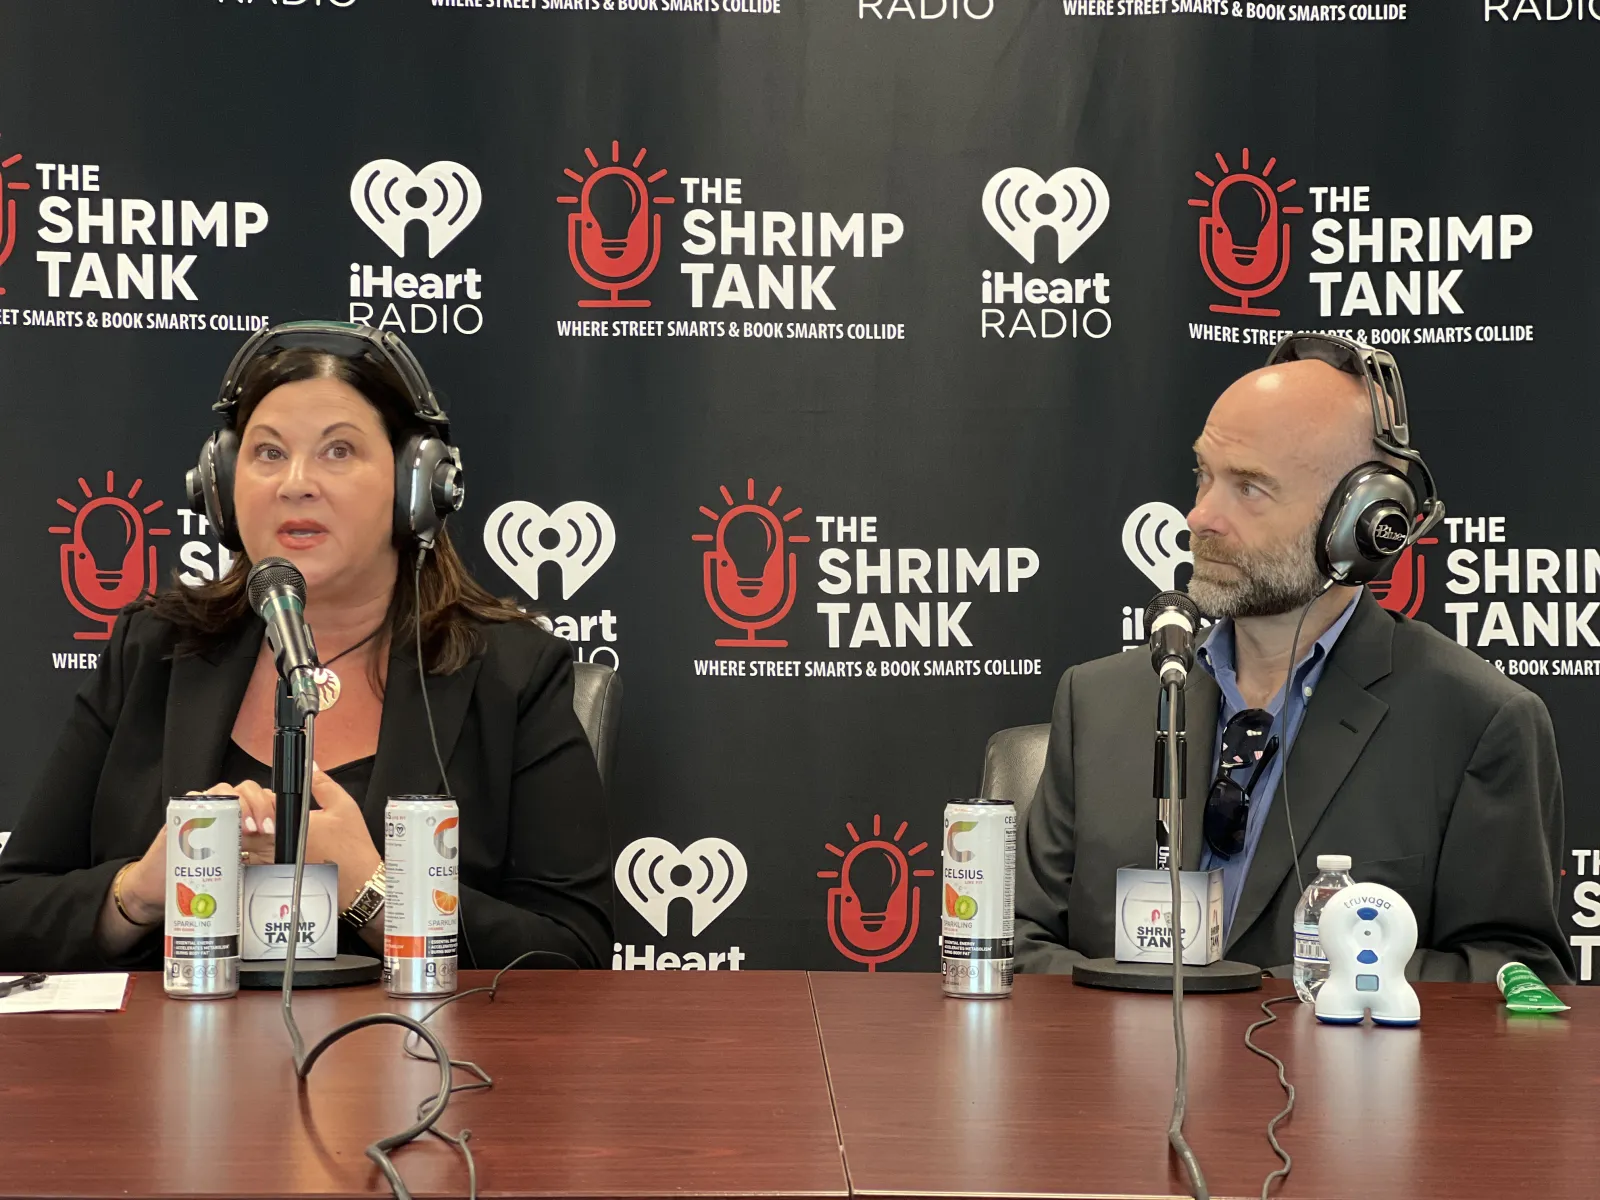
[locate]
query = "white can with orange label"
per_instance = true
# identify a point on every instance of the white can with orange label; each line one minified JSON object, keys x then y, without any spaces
{"x":421,"y":862}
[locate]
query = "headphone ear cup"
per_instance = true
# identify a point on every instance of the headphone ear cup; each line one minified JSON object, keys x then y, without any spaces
{"x":1366,"y":525}
{"x":405,"y":489}
{"x":210,"y":486}
{"x":427,"y":488}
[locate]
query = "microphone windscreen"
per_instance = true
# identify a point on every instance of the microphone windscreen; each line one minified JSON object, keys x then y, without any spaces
{"x":1176,"y":602}
{"x":274,"y":575}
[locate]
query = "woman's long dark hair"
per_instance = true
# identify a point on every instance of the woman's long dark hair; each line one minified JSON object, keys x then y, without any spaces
{"x":453,"y":604}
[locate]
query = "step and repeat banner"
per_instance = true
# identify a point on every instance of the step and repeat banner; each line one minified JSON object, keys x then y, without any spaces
{"x":828,"y":367}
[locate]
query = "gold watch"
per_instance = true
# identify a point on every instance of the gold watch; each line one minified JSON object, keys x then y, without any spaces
{"x":367,"y":902}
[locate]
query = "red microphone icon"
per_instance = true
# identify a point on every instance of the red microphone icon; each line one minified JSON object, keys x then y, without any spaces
{"x":614,"y":239}
{"x":873,"y":912}
{"x":1244,"y":241}
{"x":108,"y":561}
{"x":1402,"y":589}
{"x":750,"y":582}
{"x":8,"y":210}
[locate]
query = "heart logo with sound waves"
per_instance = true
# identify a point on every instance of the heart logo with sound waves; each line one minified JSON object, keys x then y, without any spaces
{"x":584,"y":539}
{"x":714,"y":870}
{"x":381,"y":194}
{"x":1019,"y":203}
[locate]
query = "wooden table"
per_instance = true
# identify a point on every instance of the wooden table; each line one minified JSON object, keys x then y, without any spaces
{"x":753,"y":1083}
{"x":1066,"y":1091}
{"x":606,"y":1084}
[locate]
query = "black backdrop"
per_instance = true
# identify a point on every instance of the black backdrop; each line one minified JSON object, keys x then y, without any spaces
{"x":910,"y":396}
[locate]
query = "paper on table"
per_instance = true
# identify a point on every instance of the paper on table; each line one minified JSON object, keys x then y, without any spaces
{"x":68,"y":993}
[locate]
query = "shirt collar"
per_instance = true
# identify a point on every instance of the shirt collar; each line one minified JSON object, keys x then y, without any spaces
{"x":1216,"y":654}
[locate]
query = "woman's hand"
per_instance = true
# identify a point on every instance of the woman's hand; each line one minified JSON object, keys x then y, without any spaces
{"x":144,"y":885}
{"x":339,"y":834}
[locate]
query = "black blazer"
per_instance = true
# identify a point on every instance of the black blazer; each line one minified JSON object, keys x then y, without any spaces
{"x":1431,"y":769}
{"x":535,"y":848}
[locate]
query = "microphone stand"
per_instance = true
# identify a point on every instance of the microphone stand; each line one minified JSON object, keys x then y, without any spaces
{"x":1170,"y":786}
{"x":293,"y":746}
{"x":1171,"y":770}
{"x":292,"y":740}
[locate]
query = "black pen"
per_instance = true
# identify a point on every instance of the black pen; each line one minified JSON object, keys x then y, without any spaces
{"x":28,"y":982}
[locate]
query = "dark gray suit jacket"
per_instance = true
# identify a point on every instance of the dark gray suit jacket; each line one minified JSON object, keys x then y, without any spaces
{"x":1432,"y":770}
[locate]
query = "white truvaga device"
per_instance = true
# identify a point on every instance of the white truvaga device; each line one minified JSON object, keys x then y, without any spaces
{"x":1368,"y":932}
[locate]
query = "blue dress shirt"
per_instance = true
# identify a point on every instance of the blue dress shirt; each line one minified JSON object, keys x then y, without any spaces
{"x":1217,"y":657}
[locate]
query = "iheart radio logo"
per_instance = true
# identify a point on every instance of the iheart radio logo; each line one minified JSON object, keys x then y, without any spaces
{"x":1072,"y":203}
{"x":388,"y":196}
{"x":1244,"y":239}
{"x":1150,"y":540}
{"x":651,"y":873}
{"x":521,"y":537}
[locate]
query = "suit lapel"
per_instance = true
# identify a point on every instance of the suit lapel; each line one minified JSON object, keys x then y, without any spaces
{"x":202,"y":704}
{"x":405,"y":763}
{"x":1339,"y":721}
{"x":1201,"y":699}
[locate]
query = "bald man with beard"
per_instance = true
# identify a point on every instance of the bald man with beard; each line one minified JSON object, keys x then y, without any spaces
{"x":1434,"y":772}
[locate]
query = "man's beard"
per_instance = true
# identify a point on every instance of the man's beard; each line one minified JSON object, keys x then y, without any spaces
{"x":1269,"y":582}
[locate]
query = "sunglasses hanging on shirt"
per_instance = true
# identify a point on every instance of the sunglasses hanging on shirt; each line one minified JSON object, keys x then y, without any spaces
{"x":1247,"y":739}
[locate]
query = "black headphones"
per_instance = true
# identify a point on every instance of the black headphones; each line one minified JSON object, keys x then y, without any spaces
{"x":428,"y":484}
{"x":1375,"y":512}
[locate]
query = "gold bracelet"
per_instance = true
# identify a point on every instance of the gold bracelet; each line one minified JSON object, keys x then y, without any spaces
{"x":116,"y":898}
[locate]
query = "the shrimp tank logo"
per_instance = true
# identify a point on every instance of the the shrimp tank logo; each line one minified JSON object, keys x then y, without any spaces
{"x":872,"y":912}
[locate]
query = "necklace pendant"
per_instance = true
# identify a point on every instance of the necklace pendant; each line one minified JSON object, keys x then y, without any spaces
{"x":327,"y":687}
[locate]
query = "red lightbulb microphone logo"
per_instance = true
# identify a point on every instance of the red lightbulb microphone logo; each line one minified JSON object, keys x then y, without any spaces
{"x":1401,"y":590}
{"x":614,"y":239}
{"x":108,"y":560}
{"x":8,"y":209}
{"x":1244,"y":240}
{"x":750,"y":581}
{"x":872,"y":913}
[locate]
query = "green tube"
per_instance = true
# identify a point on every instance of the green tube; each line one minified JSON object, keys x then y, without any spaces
{"x":1524,"y":992}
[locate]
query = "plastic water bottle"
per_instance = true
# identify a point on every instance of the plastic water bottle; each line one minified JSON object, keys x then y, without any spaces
{"x":1310,"y":964}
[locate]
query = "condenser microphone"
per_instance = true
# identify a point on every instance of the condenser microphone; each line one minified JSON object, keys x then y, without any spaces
{"x":1171,"y":620}
{"x":277,"y":591}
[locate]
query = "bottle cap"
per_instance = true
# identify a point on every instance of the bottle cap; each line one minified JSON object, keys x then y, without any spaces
{"x":1333,"y":862}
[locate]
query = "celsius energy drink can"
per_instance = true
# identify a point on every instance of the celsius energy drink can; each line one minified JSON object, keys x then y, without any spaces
{"x":978,"y":918}
{"x":204,"y":885}
{"x":421,"y":855}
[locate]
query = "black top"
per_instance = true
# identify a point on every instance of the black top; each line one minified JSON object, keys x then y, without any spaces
{"x":239,"y":766}
{"x":534,"y":845}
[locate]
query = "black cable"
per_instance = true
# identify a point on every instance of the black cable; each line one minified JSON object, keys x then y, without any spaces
{"x":1180,"y":1090}
{"x":430,"y":1110}
{"x":485,"y":1081}
{"x":422,"y":673}
{"x":1283,"y":1082}
{"x":1288,"y":743}
{"x":433,"y":735}
{"x":1294,"y":851}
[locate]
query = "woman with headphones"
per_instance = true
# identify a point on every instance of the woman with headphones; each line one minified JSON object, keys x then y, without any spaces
{"x":335,"y":455}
